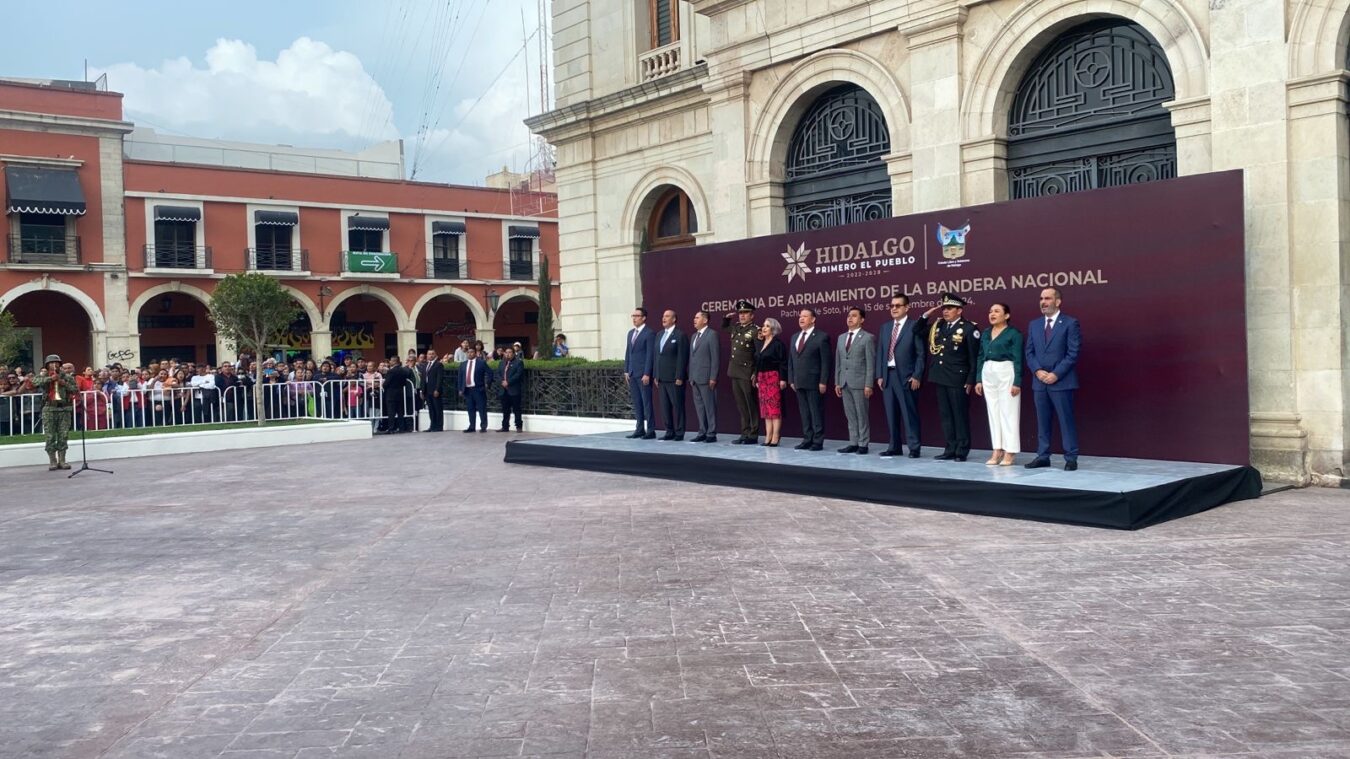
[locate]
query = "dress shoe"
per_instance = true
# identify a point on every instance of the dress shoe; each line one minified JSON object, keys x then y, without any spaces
{"x":709,"y":439}
{"x":667,"y":436}
{"x":649,"y":436}
{"x":958,"y":458}
{"x":740,"y":441}
{"x":1038,"y":463}
{"x":482,"y":429}
{"x":1071,"y":466}
{"x":679,"y":438}
{"x":766,"y":442}
{"x":634,"y":436}
{"x":469,"y":430}
{"x":862,"y":450}
{"x":801,"y":446}
{"x":914,"y":453}
{"x":503,"y":429}
{"x":816,"y":447}
{"x":699,"y":439}
{"x":889,"y":453}
{"x":945,"y":456}
{"x":774,"y":444}
{"x":849,"y":449}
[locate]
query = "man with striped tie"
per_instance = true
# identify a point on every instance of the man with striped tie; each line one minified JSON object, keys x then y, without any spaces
{"x":899,"y":374}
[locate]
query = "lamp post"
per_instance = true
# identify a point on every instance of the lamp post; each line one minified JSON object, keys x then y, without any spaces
{"x":493,"y":299}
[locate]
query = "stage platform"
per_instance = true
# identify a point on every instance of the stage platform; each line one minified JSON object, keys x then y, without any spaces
{"x":1117,"y":493}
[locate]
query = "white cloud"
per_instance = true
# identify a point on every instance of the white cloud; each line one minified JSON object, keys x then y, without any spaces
{"x":316,"y":96}
{"x":310,"y":89}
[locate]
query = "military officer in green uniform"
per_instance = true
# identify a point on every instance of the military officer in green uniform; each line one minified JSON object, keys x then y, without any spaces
{"x":953,"y":347}
{"x":741,"y":369}
{"x":58,"y":391}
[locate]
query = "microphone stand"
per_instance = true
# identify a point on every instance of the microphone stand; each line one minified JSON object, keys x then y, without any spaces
{"x":84,"y":448}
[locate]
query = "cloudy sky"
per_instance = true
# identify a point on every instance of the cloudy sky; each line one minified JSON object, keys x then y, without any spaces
{"x":446,"y":76}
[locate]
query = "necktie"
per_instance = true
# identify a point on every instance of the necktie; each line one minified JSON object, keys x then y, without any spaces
{"x":694,"y":342}
{"x":469,"y":371}
{"x":848,"y":344}
{"x":895,"y":335}
{"x":801,"y":342}
{"x":632,"y":337}
{"x":1048,"y":322}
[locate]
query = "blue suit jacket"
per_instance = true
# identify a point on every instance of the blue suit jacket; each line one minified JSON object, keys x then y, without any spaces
{"x":482,"y":375}
{"x":639,"y":356}
{"x":909,"y":350}
{"x":1059,"y":356}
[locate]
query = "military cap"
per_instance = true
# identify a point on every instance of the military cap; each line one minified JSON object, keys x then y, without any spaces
{"x":951,"y":300}
{"x":745,"y":305}
{"x":51,"y":357}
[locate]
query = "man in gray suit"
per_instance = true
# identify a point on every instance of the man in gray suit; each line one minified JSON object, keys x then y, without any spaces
{"x":855,"y":359}
{"x":703,"y":366}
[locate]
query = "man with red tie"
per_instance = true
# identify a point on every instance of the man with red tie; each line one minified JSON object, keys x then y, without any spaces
{"x":473,"y":380}
{"x":809,"y":375}
{"x":1052,"y":358}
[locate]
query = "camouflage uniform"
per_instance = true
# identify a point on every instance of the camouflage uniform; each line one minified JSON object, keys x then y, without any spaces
{"x":741,"y":370}
{"x":57,"y":413}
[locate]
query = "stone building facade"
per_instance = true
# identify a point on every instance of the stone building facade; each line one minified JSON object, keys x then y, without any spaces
{"x":699,"y":106}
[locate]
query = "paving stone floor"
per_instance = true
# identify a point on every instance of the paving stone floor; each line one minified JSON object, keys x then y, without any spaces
{"x":416,"y":597}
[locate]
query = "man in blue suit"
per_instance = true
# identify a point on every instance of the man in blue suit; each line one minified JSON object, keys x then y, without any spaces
{"x":639,"y":362}
{"x":899,"y":374}
{"x":473,"y":379}
{"x":1052,"y":358}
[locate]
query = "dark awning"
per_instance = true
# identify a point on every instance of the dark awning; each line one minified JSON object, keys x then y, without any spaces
{"x":178,"y":213}
{"x":447,"y":228}
{"x":368,"y":223}
{"x":276,"y":218}
{"x":517,"y":232}
{"x":30,"y":189}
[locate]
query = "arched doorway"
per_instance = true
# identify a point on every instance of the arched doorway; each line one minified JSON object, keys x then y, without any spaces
{"x":673,"y":221}
{"x":834,"y":169}
{"x":517,"y":321}
{"x":175,"y":325}
{"x":1088,"y":113}
{"x":57,"y":323}
{"x":363,"y":326}
{"x":297,"y":341}
{"x":443,"y":322}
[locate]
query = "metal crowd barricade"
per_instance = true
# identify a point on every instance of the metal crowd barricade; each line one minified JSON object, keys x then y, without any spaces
{"x":21,"y":414}
{"x":366,"y":399}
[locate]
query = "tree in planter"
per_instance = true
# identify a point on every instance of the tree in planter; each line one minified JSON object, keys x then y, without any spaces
{"x":13,"y":338}
{"x":545,"y":311}
{"x":250,"y":310}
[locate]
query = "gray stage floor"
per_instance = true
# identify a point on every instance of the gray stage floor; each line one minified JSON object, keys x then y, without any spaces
{"x":1095,"y":473}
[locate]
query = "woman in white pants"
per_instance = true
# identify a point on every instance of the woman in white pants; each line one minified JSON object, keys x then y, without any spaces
{"x":998,"y":377}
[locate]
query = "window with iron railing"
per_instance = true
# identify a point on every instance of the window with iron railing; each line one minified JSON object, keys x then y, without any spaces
{"x":43,"y":239}
{"x":521,"y":261}
{"x":175,"y":246}
{"x":445,"y":258}
{"x":274,"y":251}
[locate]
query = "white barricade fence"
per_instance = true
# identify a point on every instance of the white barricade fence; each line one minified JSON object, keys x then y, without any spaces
{"x":176,"y":407}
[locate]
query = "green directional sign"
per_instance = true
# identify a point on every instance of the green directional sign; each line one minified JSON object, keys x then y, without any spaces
{"x":371,"y":263}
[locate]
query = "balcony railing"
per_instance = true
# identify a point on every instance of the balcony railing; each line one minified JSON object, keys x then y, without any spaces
{"x":44,"y":250}
{"x":278,"y":259}
{"x":523,"y":270}
{"x":448,"y":268}
{"x":177,"y":256}
{"x":660,"y":62}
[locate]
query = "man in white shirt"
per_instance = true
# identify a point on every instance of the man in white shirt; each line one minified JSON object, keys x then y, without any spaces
{"x":204,"y":395}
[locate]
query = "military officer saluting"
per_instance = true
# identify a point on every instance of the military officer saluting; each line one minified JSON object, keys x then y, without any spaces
{"x":741,"y":368}
{"x":953,"y":346}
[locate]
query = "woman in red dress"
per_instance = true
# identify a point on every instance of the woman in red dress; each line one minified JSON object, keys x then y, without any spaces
{"x":771,"y":378}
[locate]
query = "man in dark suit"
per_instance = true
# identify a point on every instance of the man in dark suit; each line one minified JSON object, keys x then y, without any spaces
{"x":639,"y":364}
{"x":703,"y":365}
{"x":899,"y":376}
{"x":431,"y":390}
{"x":809,"y":375}
{"x":472,"y":382}
{"x":1052,"y":359}
{"x":399,"y":404}
{"x":953,"y":346}
{"x":512,"y":371}
{"x":672,"y":362}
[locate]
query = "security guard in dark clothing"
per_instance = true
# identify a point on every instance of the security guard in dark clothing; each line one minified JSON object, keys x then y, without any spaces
{"x":953,"y":345}
{"x":741,"y":369}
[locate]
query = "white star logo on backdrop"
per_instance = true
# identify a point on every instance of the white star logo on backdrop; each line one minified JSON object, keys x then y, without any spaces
{"x":796,"y":262}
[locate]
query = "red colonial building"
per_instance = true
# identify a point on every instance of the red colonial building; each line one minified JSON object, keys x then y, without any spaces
{"x":117,"y":236}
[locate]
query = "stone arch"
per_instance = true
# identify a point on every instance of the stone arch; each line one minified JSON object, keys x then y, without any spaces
{"x":519,"y":292}
{"x":795,"y":94}
{"x":315,"y":317}
{"x":96,"y":320}
{"x":1319,"y":35}
{"x":984,"y":109}
{"x":642,"y":200}
{"x":384,"y":296}
{"x":168,"y":287}
{"x":479,"y":315}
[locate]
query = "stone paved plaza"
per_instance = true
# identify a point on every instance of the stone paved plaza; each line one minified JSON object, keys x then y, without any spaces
{"x":416,"y":597}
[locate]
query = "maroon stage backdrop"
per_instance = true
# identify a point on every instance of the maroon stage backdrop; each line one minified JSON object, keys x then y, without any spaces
{"x":1154,"y":273}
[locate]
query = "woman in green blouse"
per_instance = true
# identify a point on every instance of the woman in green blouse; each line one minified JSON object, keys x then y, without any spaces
{"x":998,"y":377}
